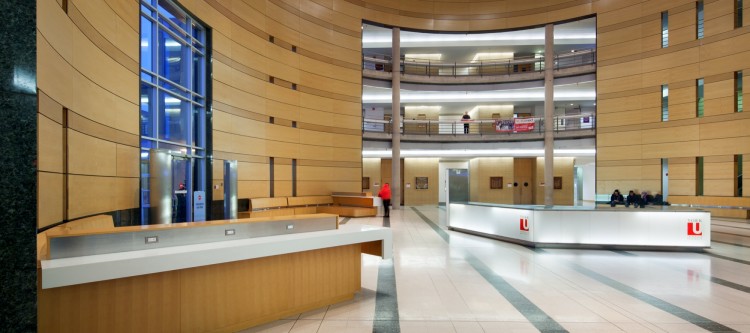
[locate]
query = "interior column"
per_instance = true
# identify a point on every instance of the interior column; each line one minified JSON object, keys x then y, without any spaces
{"x":396,"y":119}
{"x":549,"y":110}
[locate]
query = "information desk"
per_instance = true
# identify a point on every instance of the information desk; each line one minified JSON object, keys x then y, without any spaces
{"x":219,"y":286}
{"x":576,"y":226}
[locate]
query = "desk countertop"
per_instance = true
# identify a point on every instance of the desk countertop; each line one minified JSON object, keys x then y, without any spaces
{"x":78,"y":270}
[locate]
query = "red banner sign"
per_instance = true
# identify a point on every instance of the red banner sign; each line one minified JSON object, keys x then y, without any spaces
{"x":523,"y":124}
{"x":514,"y":125}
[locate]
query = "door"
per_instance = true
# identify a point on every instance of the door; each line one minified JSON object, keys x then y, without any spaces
{"x":169,"y":189}
{"x":458,"y":185}
{"x":182,"y":192}
{"x":523,"y":182}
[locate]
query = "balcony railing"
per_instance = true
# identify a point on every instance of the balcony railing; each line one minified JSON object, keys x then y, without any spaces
{"x":380,"y":62}
{"x":482,"y":126}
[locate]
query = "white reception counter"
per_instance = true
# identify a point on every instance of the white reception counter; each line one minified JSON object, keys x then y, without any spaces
{"x":101,"y":267}
{"x":574,"y":226}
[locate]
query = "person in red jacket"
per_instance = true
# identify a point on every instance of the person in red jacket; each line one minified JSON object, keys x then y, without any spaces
{"x":385,"y":194}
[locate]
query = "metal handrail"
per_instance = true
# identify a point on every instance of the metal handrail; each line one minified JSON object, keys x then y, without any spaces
{"x":380,"y":62}
{"x":477,"y":126}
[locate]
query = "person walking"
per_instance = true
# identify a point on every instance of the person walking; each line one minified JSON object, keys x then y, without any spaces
{"x":385,"y":194}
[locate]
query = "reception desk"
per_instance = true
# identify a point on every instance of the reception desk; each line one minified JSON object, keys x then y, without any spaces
{"x":585,"y":227}
{"x":217,"y":286}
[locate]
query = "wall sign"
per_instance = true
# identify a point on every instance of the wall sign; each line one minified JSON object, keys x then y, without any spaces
{"x":199,"y":206}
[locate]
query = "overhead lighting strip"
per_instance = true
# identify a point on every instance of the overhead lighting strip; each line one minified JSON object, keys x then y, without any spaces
{"x":480,"y":153}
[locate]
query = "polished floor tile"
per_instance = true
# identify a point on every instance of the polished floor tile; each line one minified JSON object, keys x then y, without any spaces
{"x":453,"y":282}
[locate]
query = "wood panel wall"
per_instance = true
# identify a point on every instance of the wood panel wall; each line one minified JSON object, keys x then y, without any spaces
{"x":421,"y":167}
{"x":563,"y":167}
{"x":481,"y":169}
{"x":632,"y":66}
{"x":371,"y":169}
{"x":87,"y":61}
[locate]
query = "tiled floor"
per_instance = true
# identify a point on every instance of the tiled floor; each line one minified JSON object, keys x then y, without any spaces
{"x":463,"y":283}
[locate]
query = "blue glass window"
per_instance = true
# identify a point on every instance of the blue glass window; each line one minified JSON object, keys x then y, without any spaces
{"x":664,"y":29}
{"x":699,"y":19}
{"x":173,"y":87}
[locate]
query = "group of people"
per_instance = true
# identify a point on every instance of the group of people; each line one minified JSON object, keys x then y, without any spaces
{"x":636,"y":200}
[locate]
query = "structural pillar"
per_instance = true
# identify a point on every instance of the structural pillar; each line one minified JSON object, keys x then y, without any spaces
{"x":549,"y":111}
{"x":19,"y":163}
{"x":396,"y":119}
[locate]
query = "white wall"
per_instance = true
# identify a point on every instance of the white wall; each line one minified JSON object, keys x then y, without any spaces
{"x":442,"y":166}
{"x":589,"y":181}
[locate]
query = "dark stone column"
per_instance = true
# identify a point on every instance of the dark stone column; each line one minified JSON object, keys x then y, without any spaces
{"x":18,"y":153}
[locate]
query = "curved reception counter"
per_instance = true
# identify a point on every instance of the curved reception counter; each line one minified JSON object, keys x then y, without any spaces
{"x":585,"y":227}
{"x":218,"y":276}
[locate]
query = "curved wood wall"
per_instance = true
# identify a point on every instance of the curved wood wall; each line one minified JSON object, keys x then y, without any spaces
{"x":88,"y":86}
{"x":308,"y":78}
{"x":632,"y":66}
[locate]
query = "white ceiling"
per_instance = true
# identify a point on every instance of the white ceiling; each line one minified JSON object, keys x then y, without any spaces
{"x":572,"y":35}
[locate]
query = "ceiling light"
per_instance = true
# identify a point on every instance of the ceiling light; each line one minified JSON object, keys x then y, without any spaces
{"x":492,"y":56}
{"x":423,"y":56}
{"x":479,"y":153}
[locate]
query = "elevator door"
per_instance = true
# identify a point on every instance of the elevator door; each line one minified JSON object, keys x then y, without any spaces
{"x":458,"y":185}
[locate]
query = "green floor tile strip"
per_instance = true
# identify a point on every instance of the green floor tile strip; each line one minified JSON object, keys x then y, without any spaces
{"x":665,"y":306}
{"x":386,"y":298}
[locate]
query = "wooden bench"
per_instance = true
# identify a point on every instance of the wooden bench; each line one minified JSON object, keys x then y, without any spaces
{"x":339,"y":205}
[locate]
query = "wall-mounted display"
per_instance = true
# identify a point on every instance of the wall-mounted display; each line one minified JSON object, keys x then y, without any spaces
{"x":421,"y":183}
{"x":558,"y":183}
{"x":496,"y":183}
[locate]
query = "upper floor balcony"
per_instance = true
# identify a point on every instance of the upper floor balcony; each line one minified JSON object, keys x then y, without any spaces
{"x":481,"y":130}
{"x":380,"y":66}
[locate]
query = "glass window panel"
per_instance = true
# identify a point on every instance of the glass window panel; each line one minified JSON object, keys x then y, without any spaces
{"x":147,"y":77}
{"x":664,"y":29}
{"x":179,"y":91}
{"x":199,"y":134}
{"x":699,"y":19}
{"x":171,"y":13}
{"x":198,"y":32}
{"x":173,"y":52}
{"x":146,"y":10}
{"x":199,"y":100}
{"x":167,"y":25}
{"x":147,"y":107}
{"x":147,"y":144}
{"x":738,"y":91}
{"x":173,"y":119}
{"x":170,"y":58}
{"x":199,"y":74}
{"x":147,"y":44}
{"x":664,"y":102}
{"x":173,"y":148}
{"x":738,"y":13}
{"x":699,"y":102}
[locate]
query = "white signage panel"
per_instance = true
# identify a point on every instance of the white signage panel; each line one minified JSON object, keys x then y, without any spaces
{"x":664,"y":228}
{"x":199,"y":206}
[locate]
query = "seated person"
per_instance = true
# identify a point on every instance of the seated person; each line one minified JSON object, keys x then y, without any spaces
{"x":616,"y":198}
{"x":658,"y":199}
{"x":632,"y":199}
{"x":646,"y":198}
